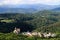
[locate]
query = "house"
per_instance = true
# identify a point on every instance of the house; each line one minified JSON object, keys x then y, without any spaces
{"x":16,"y":30}
{"x":53,"y":35}
{"x":40,"y":34}
{"x":47,"y":35}
{"x":27,"y":33}
{"x":34,"y":33}
{"x":37,"y":34}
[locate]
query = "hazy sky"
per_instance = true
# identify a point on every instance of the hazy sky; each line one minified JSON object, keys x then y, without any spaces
{"x":17,"y":2}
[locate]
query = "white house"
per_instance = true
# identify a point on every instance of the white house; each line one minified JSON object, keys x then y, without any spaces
{"x":16,"y":30}
{"x":27,"y":33}
{"x":40,"y":34}
{"x":53,"y":35}
{"x":47,"y":35}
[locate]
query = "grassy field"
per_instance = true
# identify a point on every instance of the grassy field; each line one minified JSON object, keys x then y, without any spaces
{"x":7,"y":20}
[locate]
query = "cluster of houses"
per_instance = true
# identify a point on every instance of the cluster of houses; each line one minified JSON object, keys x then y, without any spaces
{"x":38,"y":34}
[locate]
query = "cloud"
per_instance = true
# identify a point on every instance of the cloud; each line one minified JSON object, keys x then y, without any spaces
{"x":16,"y":2}
{"x":51,"y":2}
{"x":10,"y":2}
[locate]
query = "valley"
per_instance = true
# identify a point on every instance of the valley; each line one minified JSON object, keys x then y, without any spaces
{"x":41,"y":21}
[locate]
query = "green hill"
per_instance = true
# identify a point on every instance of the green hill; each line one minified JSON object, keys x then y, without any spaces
{"x":29,"y":22}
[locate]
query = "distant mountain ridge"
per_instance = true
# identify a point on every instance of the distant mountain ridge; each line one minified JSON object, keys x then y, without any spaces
{"x":16,"y":10}
{"x":26,"y":8}
{"x":56,"y":9}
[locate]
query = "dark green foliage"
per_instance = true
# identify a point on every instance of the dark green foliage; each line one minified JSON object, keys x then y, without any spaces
{"x":39,"y":21}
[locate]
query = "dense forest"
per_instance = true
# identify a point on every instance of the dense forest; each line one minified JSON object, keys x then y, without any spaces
{"x":40,"y":21}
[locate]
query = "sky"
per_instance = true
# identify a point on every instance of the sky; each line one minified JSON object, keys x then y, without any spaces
{"x":18,"y":2}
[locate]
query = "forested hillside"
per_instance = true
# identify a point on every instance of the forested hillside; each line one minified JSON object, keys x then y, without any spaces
{"x":30,"y":22}
{"x":40,"y":21}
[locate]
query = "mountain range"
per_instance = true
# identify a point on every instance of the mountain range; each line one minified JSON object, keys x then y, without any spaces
{"x":27,"y":8}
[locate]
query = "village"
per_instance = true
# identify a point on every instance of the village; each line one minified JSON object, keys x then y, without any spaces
{"x":38,"y":34}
